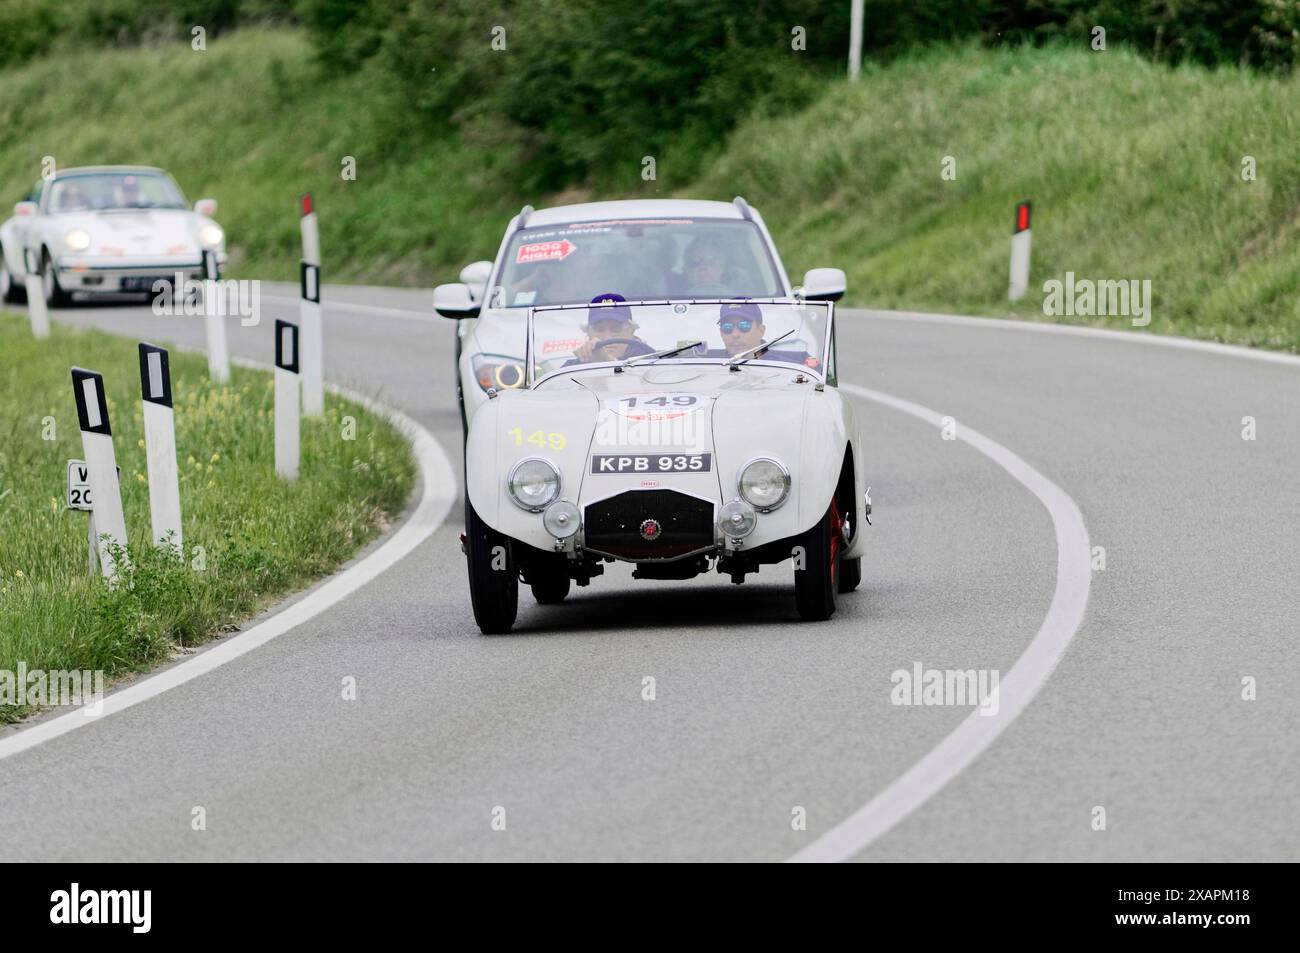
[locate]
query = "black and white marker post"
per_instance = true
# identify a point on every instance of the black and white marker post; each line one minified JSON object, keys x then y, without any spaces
{"x":286,"y":400}
{"x":160,"y":446}
{"x":36,"y":295}
{"x":97,"y":447}
{"x":214,"y":324}
{"x":1020,"y":237}
{"x":313,"y":395}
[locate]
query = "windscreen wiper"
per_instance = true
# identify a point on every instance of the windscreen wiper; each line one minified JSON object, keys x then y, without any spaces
{"x":657,"y":354}
{"x":746,"y":355}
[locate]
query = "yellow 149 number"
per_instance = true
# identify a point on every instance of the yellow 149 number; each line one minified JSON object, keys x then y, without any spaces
{"x":537,"y":438}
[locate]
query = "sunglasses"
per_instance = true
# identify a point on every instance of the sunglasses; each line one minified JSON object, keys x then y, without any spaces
{"x":744,"y":326}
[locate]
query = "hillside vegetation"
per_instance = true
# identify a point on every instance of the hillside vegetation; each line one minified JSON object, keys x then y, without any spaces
{"x":1135,"y":169}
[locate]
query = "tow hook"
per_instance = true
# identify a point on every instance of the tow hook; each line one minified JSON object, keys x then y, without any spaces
{"x":866,"y":508}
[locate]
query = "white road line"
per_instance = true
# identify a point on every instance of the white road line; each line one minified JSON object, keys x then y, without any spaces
{"x":328,"y":304}
{"x":1074,"y":330}
{"x":1018,"y":687}
{"x":438,"y":493}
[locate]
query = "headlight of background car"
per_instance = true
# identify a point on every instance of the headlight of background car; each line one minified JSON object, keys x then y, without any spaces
{"x":211,"y":236}
{"x":764,"y":484}
{"x":533,"y":483}
{"x":77,"y":240}
{"x":493,"y":370}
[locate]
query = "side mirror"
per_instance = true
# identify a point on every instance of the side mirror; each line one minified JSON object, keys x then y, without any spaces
{"x":206,"y":206}
{"x":454,"y":301}
{"x":824,"y":284}
{"x":25,"y":208}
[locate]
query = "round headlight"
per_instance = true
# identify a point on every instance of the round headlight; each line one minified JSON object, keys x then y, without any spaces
{"x":77,"y":239}
{"x":509,"y":376}
{"x":211,"y":236}
{"x":533,"y":484}
{"x":561,"y":519}
{"x":737,"y":519}
{"x":764,"y":484}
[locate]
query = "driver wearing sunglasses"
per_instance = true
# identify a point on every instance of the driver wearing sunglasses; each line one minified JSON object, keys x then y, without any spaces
{"x":741,"y":325}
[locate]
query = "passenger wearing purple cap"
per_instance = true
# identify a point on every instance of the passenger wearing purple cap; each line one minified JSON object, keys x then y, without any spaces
{"x":611,"y":333}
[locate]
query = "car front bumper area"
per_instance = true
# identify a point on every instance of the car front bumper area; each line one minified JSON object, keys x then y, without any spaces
{"x":96,"y":276}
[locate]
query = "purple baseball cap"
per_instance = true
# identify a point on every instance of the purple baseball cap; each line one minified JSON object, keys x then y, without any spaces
{"x":615,"y":313}
{"x":739,"y":310}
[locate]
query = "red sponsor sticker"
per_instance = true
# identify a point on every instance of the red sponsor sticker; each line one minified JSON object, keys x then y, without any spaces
{"x":564,"y":345}
{"x":545,"y":251}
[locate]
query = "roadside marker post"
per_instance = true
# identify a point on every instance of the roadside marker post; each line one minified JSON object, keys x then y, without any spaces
{"x":313,"y":390}
{"x":1020,"y":238}
{"x":214,"y":324}
{"x":35,"y":295}
{"x":287,"y":436}
{"x":107,"y":520}
{"x":160,"y":446}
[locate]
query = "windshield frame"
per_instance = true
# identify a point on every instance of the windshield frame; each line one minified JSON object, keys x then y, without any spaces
{"x":531,"y":380}
{"x":498,"y":267}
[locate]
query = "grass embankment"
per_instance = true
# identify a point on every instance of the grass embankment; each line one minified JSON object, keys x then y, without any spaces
{"x":261,"y":537}
{"x":1134,"y":168}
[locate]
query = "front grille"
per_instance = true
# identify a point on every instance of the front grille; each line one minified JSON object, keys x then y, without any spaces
{"x":613,"y":526}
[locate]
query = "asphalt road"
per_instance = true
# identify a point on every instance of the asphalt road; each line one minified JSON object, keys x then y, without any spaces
{"x":755,"y":714}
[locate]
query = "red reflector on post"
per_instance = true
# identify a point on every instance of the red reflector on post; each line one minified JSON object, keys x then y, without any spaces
{"x":1022,"y":217}
{"x":307,"y":207}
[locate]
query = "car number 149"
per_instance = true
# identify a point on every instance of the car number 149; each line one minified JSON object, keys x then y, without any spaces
{"x":651,"y":463}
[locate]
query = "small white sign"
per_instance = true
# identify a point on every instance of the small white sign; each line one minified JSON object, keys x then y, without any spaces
{"x":78,"y":485}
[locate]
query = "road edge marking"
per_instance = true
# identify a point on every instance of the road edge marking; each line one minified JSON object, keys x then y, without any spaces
{"x":1016,"y":689}
{"x":1083,"y":331}
{"x":438,"y":493}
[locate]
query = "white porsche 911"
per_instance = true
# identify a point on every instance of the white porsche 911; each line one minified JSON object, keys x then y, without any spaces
{"x":106,"y":230}
{"x":679,"y":435}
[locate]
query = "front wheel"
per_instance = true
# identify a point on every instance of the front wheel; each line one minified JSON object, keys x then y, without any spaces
{"x":12,"y":290}
{"x":493,"y":578}
{"x":817,"y":583}
{"x":850,"y":574}
{"x":55,"y":296}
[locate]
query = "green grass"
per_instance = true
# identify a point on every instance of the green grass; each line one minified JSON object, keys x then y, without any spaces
{"x":261,"y":537}
{"x":1134,"y":169}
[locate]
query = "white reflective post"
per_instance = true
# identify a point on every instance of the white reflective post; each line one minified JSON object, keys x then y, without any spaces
{"x":160,"y":446}
{"x":1020,"y":238}
{"x":36,"y":310}
{"x":97,"y":447}
{"x":313,"y":388}
{"x":213,"y":323}
{"x":287,"y":435}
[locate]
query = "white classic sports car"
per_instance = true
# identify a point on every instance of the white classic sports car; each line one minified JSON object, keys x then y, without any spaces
{"x":106,"y":230}
{"x":679,"y":435}
{"x":651,"y":249}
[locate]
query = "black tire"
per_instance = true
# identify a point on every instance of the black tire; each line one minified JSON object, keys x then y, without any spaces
{"x":817,"y":584}
{"x":493,"y":578}
{"x":55,"y":296}
{"x":850,"y":574}
{"x":12,"y":288}
{"x":549,"y":578}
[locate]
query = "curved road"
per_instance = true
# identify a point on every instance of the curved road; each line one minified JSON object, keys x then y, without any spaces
{"x":756,"y":715}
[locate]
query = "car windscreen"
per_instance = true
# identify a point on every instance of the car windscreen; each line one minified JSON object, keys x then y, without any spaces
{"x":639,"y":259}
{"x":713,"y":332}
{"x":99,"y":191}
